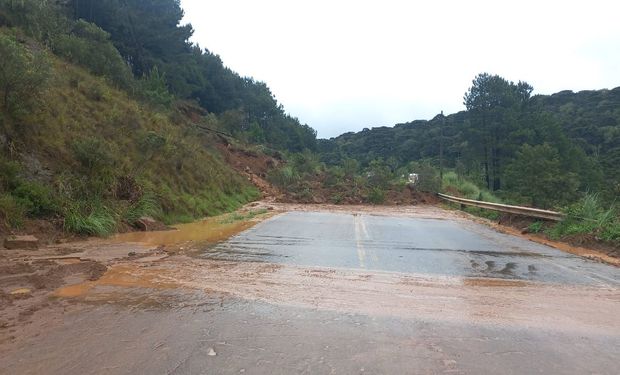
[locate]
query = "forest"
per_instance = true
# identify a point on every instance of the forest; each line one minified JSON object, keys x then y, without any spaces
{"x":142,"y":47}
{"x":545,"y":151}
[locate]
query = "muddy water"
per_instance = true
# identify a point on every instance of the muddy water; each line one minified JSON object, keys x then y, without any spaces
{"x":515,"y":309}
{"x":211,"y":230}
{"x":483,"y":301}
{"x":381,"y":266}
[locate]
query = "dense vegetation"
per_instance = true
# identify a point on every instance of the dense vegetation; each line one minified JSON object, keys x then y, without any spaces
{"x":141,"y":47}
{"x":546,"y":151}
{"x":87,"y":143}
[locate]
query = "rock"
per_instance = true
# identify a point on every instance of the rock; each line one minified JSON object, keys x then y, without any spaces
{"x":21,"y":242}
{"x":145,"y":223}
{"x":21,"y":292}
{"x":148,"y":224}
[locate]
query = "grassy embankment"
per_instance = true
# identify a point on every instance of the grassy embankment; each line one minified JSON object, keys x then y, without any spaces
{"x":91,"y":158}
{"x":586,"y":220}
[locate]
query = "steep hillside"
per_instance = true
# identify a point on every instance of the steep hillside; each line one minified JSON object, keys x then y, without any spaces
{"x":90,"y":157}
{"x":109,"y":112}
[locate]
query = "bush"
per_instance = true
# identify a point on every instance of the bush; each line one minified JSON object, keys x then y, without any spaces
{"x":589,"y":217}
{"x":37,"y":200}
{"x":11,"y":212}
{"x":284,"y":177}
{"x":537,"y":173}
{"x":9,"y":175}
{"x":89,"y":46}
{"x":23,"y":74}
{"x":153,"y":89}
{"x":43,"y":20}
{"x":428,"y":177}
{"x":536,"y":227}
{"x":92,"y":219}
{"x":376,"y":196}
{"x":147,"y":205}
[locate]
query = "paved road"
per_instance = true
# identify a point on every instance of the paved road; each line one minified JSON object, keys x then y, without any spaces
{"x":412,"y":245}
{"x":327,"y":293}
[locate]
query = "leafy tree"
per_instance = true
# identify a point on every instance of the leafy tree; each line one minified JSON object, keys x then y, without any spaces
{"x":23,"y":73}
{"x":494,"y":106}
{"x":537,"y":173}
{"x":89,"y":45}
{"x":42,"y":20}
{"x":379,"y":174}
{"x":152,"y":88}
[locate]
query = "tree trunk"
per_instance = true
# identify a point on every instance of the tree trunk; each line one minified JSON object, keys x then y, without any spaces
{"x":487,"y":177}
{"x":6,"y":100}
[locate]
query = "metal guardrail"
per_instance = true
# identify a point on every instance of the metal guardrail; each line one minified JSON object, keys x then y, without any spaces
{"x":525,"y":211}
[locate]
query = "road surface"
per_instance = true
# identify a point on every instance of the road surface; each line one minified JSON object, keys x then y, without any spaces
{"x":338,"y":293}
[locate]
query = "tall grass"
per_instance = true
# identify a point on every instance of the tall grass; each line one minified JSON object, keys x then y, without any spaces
{"x":147,"y":205}
{"x":98,"y":137}
{"x":12,"y":214}
{"x":89,"y":218}
{"x":466,"y":188}
{"x":589,"y":216}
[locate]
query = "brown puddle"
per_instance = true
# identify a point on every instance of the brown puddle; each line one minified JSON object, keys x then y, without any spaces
{"x":207,"y":230}
{"x":128,"y":276}
{"x":73,"y":291}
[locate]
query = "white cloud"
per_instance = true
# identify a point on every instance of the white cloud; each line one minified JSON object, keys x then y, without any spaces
{"x":344,"y":65}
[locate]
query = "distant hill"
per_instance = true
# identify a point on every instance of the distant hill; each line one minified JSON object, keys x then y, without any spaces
{"x":582,"y":124}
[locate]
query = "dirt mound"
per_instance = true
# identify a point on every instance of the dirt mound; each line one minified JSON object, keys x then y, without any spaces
{"x":316,"y":192}
{"x":253,"y":164}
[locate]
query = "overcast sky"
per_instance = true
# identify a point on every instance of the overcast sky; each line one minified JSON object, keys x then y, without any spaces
{"x":344,"y":65}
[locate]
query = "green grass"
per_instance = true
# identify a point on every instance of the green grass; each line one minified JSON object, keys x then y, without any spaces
{"x":90,"y":219}
{"x":240,"y":217}
{"x":147,"y":205}
{"x":467,"y":189}
{"x":89,"y":136}
{"x":376,"y":195}
{"x":536,"y":227}
{"x":12,"y":213}
{"x":589,"y":217}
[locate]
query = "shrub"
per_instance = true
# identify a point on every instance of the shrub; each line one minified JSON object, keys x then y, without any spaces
{"x":93,"y":154}
{"x":9,"y":171}
{"x":428,"y":177}
{"x":11,"y":212}
{"x":43,"y":20}
{"x":153,"y":89}
{"x":376,"y":195}
{"x":89,"y":46}
{"x":37,"y":200}
{"x":89,"y":218}
{"x":589,"y":217}
{"x":284,"y":177}
{"x":146,"y":206}
{"x":23,"y":74}
{"x":536,"y":227}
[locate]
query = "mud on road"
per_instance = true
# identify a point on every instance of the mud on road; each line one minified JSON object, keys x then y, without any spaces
{"x":169,"y":303}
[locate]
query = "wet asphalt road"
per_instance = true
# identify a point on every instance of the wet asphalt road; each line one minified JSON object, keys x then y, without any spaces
{"x":133,"y":330}
{"x":410,"y":245}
